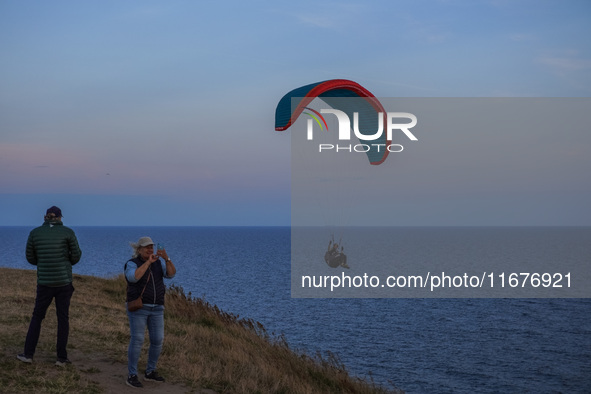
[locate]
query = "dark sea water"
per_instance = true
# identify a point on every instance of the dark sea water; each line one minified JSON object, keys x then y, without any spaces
{"x":421,"y":345}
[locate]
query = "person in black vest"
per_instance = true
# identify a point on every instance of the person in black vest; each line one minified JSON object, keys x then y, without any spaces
{"x":144,"y":274}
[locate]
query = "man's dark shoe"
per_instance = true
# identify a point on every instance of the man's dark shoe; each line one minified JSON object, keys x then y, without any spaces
{"x":25,"y":359}
{"x":153,"y":377}
{"x":133,"y":381}
{"x":62,"y":362}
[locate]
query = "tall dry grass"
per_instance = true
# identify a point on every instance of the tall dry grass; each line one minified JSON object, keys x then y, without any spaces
{"x":204,"y":347}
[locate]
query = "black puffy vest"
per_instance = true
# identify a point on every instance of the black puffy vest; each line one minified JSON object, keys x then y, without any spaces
{"x":155,"y":289}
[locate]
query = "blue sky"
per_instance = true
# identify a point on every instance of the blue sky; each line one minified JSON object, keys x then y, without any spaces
{"x":162,"y":113}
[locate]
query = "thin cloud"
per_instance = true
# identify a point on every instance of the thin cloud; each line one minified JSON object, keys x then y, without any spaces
{"x":563,"y":64}
{"x":323,"y":21}
{"x":331,"y":15}
{"x":521,"y":37}
{"x":144,"y":12}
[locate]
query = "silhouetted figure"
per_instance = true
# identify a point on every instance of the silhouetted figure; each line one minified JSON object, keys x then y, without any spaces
{"x":335,"y":257}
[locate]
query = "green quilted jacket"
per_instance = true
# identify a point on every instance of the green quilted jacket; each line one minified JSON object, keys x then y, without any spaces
{"x":54,"y":249}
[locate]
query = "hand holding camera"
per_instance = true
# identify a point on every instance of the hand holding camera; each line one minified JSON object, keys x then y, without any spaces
{"x":161,"y":252}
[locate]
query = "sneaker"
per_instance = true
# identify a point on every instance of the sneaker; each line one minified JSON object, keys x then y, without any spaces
{"x":62,"y":362}
{"x":25,"y":359}
{"x":153,"y":377}
{"x":133,"y":381}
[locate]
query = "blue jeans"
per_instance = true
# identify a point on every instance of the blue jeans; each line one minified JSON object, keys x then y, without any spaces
{"x":45,"y":295}
{"x":153,"y":318}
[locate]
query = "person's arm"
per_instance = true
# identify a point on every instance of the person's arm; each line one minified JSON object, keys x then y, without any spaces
{"x":30,"y":252}
{"x":133,"y":273}
{"x":74,"y":249}
{"x":141,"y":270}
{"x":168,"y":267}
{"x":130,"y":268}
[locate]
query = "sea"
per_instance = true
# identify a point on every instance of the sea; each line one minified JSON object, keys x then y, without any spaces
{"x":420,"y":345}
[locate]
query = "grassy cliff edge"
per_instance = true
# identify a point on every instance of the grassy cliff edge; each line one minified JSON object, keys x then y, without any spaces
{"x":205,"y":349}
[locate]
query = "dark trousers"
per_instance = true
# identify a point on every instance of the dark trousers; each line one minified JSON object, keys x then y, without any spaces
{"x":45,"y":294}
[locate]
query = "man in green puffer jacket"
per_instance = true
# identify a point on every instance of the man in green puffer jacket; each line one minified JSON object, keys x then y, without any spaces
{"x":54,"y":249}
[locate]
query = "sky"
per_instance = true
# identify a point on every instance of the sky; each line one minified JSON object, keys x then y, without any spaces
{"x":152,"y":113}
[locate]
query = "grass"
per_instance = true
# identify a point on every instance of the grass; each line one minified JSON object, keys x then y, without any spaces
{"x":204,"y":347}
